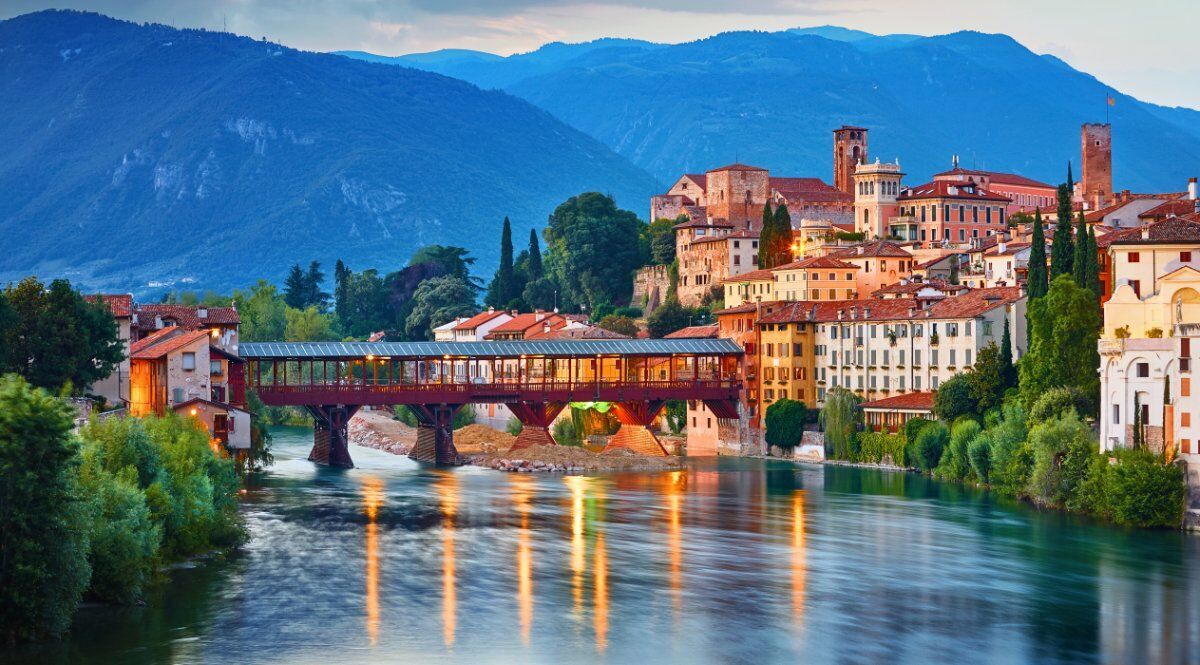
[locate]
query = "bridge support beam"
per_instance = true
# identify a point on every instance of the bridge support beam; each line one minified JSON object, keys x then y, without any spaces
{"x":435,"y":434}
{"x":635,"y":434}
{"x":536,"y":418}
{"x":331,"y":444}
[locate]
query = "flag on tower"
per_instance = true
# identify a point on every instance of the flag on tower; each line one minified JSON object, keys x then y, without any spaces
{"x":1111,"y":101}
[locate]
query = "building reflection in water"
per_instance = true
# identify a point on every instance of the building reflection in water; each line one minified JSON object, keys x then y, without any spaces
{"x":447,"y":492}
{"x":372,"y":498}
{"x":522,"y":492}
{"x":577,"y":485}
{"x":799,"y":563}
{"x":676,"y":484}
{"x":583,"y":519}
{"x":600,"y":599}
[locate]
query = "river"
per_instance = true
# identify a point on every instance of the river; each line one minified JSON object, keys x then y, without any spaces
{"x":730,"y":560}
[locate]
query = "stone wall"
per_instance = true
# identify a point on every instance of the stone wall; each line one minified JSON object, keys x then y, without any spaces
{"x":650,"y":286}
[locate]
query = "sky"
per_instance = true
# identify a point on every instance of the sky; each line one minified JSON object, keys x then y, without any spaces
{"x":1146,"y":48}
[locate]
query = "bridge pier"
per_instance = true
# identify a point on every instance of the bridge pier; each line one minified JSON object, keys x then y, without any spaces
{"x":536,"y":418}
{"x":331,"y":444}
{"x":635,"y":434}
{"x":435,"y":434}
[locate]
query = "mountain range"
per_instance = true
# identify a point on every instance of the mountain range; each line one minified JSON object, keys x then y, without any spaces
{"x":139,"y":157}
{"x":772,"y":99}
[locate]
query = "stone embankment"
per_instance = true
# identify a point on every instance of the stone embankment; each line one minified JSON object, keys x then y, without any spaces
{"x":377,"y":429}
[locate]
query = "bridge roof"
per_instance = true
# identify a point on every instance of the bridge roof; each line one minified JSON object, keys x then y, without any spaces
{"x":511,"y":349}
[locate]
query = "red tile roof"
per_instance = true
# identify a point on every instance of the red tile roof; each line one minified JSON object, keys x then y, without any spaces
{"x":699,"y":179}
{"x":818,"y":262}
{"x":969,"y":304}
{"x":901,"y":288}
{"x":580,"y":332}
{"x":875,"y":248}
{"x":187,"y":316}
{"x":1175,"y":208}
{"x":159,"y":345}
{"x":694,"y":332}
{"x":736,"y":167}
{"x":922,"y":401}
{"x":523,"y":322}
{"x":752,"y":276}
{"x":480,"y":319}
{"x":119,"y":304}
{"x":1168,"y":231}
{"x":941,"y":189}
{"x":998,"y":177}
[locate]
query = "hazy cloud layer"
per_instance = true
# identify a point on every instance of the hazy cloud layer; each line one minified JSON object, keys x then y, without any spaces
{"x":1146,"y":49}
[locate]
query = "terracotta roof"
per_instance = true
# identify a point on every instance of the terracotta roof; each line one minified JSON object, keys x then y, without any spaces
{"x":188,"y":316}
{"x":909,"y":401}
{"x":998,"y":177}
{"x":1011,"y":248}
{"x":901,"y":288}
{"x":695,"y":332}
{"x":812,"y":190}
{"x":1174,"y":208}
{"x":700,"y":179}
{"x":875,"y":248}
{"x":581,"y":332}
{"x":119,"y":304}
{"x":157,"y":346}
{"x":763,"y":275}
{"x":480,"y":319}
{"x":1124,"y":200}
{"x":940,"y":189}
{"x":1168,"y":231}
{"x":523,"y":322}
{"x":736,"y":167}
{"x":969,"y":304}
{"x":818,"y":262}
{"x":931,"y":262}
{"x":740,"y":309}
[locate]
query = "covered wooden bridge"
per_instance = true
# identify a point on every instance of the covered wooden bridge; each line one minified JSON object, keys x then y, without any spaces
{"x":535,"y":379}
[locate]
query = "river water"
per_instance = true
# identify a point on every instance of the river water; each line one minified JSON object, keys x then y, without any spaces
{"x":731,"y":560}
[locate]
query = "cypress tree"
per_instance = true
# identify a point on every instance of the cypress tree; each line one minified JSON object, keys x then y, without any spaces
{"x":1093,"y":264}
{"x":782,"y":235}
{"x":1037,"y":284}
{"x":1007,"y":371}
{"x":1079,"y":262}
{"x":765,"y":235}
{"x":502,"y":290}
{"x":1070,"y":179}
{"x":1062,"y":250}
{"x":535,"y":256}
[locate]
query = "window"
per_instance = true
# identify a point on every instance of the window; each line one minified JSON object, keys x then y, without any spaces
{"x":1185,"y":347}
{"x":798,"y":349}
{"x":1116,"y":414}
{"x":1135,"y":257}
{"x":189,"y":361}
{"x":933,"y":358}
{"x":1185,"y":387}
{"x":917,"y":383}
{"x":214,"y":367}
{"x":1185,"y":256}
{"x":1185,"y":419}
{"x":967,"y":361}
{"x":177,"y":395}
{"x":953,"y":354}
{"x":1143,"y":370}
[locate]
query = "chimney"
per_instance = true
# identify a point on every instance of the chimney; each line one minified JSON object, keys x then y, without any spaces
{"x":1125,"y":195}
{"x":912,"y":311}
{"x":545,"y":326}
{"x":866,"y":311}
{"x":1145,"y":233}
{"x":491,"y":309}
{"x":841,"y":314}
{"x":1022,"y":292}
{"x":202,"y":313}
{"x":854,"y":311}
{"x":1192,"y":189}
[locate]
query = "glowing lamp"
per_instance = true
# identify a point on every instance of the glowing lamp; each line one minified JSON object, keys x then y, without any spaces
{"x":193,"y":411}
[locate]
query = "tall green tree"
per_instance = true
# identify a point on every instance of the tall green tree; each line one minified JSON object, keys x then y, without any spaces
{"x":1037,"y":284}
{"x":43,"y":546}
{"x":439,"y":300}
{"x":307,"y":325}
{"x":1079,"y":262}
{"x":1062,"y":251}
{"x":535,"y":256}
{"x":263,"y":313}
{"x":1092,"y":275}
{"x":592,"y":250}
{"x":1007,"y":368}
{"x":840,"y":419}
{"x":660,"y":240}
{"x":504,"y":288}
{"x":766,"y":238}
{"x":453,"y":261}
{"x":341,"y":277}
{"x":1064,"y":327}
{"x":295,"y":288}
{"x":781,"y":237}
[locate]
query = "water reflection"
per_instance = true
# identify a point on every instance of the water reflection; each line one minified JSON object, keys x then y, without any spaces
{"x":600,"y":599}
{"x":372,"y":498}
{"x":447,"y":492}
{"x":577,"y":485}
{"x":673,"y":489}
{"x":522,"y":491}
{"x":799,"y":562}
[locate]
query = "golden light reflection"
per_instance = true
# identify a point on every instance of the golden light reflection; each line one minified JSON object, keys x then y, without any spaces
{"x":676,"y":482}
{"x":577,"y":484}
{"x":799,"y":565}
{"x":447,"y":491}
{"x":600,"y":599}
{"x":523,"y":487}
{"x":372,"y":498}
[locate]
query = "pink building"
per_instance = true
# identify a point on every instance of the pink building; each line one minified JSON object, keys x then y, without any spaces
{"x":1024,"y":194}
{"x":945,"y":214}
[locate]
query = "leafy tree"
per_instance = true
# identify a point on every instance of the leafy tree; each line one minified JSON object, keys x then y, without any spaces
{"x":1062,"y":250}
{"x":367,"y":304}
{"x":955,"y":463}
{"x":263,"y":313}
{"x":1057,"y":402}
{"x":593,"y":249}
{"x":840,"y":419}
{"x":668,"y":318}
{"x":437,"y":301}
{"x":1142,"y":491}
{"x":43,"y":546}
{"x":541,"y":293}
{"x":979,"y":451}
{"x":988,"y":380}
{"x":954,"y":398}
{"x":307,"y":325}
{"x":123,"y":537}
{"x":1062,"y":452}
{"x":453,"y":261}
{"x":622,"y":325}
{"x":766,"y":238}
{"x":784,"y":420}
{"x":55,"y":338}
{"x":1037,"y":284}
{"x":1008,"y":464}
{"x":302,"y":288}
{"x":676,"y":413}
{"x":913,"y":427}
{"x":1062,"y":348}
{"x":660,"y":240}
{"x":930,"y":444}
{"x":504,"y":287}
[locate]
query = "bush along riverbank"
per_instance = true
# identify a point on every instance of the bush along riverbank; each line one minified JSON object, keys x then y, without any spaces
{"x":98,"y":515}
{"x":1048,"y":456}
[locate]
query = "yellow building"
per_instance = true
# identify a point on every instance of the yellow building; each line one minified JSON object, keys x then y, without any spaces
{"x":755,"y":286}
{"x":816,"y":278}
{"x":785,"y":355}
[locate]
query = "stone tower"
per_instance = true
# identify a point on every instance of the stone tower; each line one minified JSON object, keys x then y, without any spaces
{"x":1097,"y":183}
{"x":876,"y":188}
{"x":849,"y":150}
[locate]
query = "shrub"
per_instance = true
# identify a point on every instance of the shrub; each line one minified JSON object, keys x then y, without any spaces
{"x":1145,"y":492}
{"x":123,"y":535}
{"x":565,"y":433}
{"x":43,"y":544}
{"x":514,"y":426}
{"x":840,"y":419}
{"x":1062,"y":449}
{"x":785,"y":423}
{"x":676,"y":415}
{"x":881,"y":448}
{"x":980,"y":453}
{"x":955,"y":463}
{"x":953,"y":399}
{"x":1055,"y":402}
{"x":631,"y":312}
{"x":930,"y":443}
{"x":1008,"y":472}
{"x":913,"y":427}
